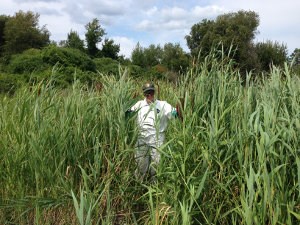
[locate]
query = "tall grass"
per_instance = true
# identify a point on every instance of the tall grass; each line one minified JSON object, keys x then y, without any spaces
{"x":68,"y":155}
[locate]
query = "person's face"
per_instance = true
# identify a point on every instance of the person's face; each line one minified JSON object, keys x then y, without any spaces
{"x":149,"y":96}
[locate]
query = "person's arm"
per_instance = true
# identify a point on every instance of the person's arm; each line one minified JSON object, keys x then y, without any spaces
{"x":132,"y":110}
{"x":174,"y":112}
{"x":128,"y":112}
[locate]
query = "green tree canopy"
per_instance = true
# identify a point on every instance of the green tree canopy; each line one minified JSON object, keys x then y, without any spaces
{"x":174,"y":58}
{"x":271,"y":53}
{"x":74,"y":41}
{"x":146,"y":57}
{"x":234,"y":30}
{"x":3,"y":20}
{"x":170,"y":56}
{"x":93,"y":35}
{"x":137,"y":56}
{"x":295,"y":56}
{"x":153,"y":55}
{"x":110,"y":49}
{"x":22,"y":32}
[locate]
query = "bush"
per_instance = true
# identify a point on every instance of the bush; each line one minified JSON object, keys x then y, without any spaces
{"x":9,"y":83}
{"x":107,"y":65}
{"x":296,"y":69}
{"x":68,"y":57}
{"x":136,"y":71}
{"x":27,"y":62}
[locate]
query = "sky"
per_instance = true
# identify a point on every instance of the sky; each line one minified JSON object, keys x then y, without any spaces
{"x":146,"y":22}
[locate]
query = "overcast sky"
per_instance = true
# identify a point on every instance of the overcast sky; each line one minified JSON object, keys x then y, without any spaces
{"x":128,"y":22}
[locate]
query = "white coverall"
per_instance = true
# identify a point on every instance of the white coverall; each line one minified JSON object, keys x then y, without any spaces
{"x":152,"y":120}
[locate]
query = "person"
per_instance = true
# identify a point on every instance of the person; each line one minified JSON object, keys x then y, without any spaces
{"x":152,"y":120}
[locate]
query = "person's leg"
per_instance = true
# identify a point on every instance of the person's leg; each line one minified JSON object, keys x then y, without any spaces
{"x":142,"y":157}
{"x":155,"y":158}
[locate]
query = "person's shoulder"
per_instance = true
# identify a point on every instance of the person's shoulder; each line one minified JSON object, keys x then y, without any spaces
{"x":161,"y":102}
{"x":164,"y":105}
{"x":138,"y":104}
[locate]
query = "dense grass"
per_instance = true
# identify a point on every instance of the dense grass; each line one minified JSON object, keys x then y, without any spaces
{"x":67,"y":155}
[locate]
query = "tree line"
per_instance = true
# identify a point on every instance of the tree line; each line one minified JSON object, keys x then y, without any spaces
{"x":232,"y":34}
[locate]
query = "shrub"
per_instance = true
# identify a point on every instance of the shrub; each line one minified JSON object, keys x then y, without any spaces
{"x":136,"y":71}
{"x":27,"y":62}
{"x":9,"y":83}
{"x":68,"y":57}
{"x":107,"y":65}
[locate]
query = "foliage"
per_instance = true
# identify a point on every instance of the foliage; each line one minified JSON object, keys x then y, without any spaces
{"x":295,"y":56}
{"x":146,"y":57}
{"x":68,"y":155}
{"x":170,"y":56}
{"x":152,"y":55}
{"x":107,"y":65}
{"x":22,"y":32}
{"x":62,"y":64}
{"x":271,"y":53}
{"x":93,"y":35}
{"x":74,"y":41}
{"x":3,"y":20}
{"x":174,"y":58}
{"x":9,"y":83}
{"x":295,"y":60}
{"x":109,"y":49}
{"x":68,"y":57}
{"x":27,"y":62}
{"x":233,"y":30}
{"x":201,"y":37}
{"x":137,"y":56}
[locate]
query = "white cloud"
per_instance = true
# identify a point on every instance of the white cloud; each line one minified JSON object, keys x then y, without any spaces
{"x":207,"y":12}
{"x":82,"y":11}
{"x":24,"y":1}
{"x":126,"y":45}
{"x":174,"y":13}
{"x":152,"y":11}
{"x":104,"y":7}
{"x":176,"y":18}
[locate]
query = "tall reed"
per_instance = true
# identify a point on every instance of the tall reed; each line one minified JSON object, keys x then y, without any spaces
{"x":68,"y":154}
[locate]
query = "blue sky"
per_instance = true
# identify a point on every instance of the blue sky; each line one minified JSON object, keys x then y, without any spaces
{"x":128,"y":22}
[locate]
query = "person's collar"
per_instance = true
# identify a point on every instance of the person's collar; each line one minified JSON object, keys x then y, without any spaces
{"x":145,"y":100}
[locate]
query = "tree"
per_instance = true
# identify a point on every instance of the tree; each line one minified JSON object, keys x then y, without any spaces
{"x":153,"y":55}
{"x":174,"y":58}
{"x":233,"y":30}
{"x":137,"y":56}
{"x":109,"y":49}
{"x":22,"y":32}
{"x":74,"y":41}
{"x":3,"y":20}
{"x":146,"y":57}
{"x":93,"y":35}
{"x":295,"y":56}
{"x":271,"y":53}
{"x":200,"y":37}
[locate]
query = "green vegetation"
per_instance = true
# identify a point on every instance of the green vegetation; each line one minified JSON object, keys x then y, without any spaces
{"x":93,"y":36}
{"x":27,"y":52}
{"x":67,"y":149}
{"x":22,"y":32}
{"x":235,"y":32}
{"x":67,"y":154}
